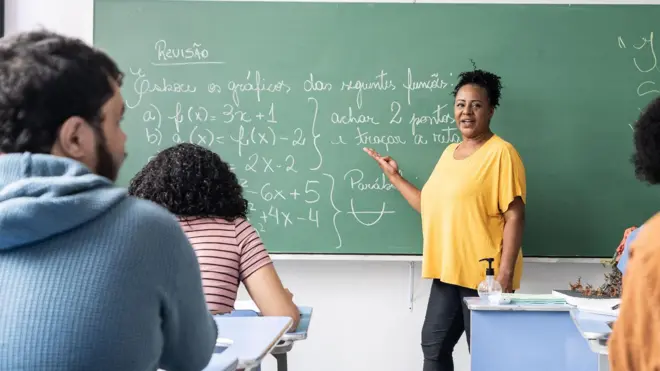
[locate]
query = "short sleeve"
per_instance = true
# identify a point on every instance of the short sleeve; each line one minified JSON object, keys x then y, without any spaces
{"x":511,"y":181}
{"x":253,"y":255}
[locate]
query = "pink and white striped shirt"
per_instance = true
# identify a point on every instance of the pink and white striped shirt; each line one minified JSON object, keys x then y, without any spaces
{"x":228,"y":253}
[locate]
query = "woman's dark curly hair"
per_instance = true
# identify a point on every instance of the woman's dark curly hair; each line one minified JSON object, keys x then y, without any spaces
{"x":647,"y":144}
{"x":191,"y":181}
{"x":487,"y":80}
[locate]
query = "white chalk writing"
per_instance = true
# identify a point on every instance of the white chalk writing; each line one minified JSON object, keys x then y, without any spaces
{"x":294,"y":141}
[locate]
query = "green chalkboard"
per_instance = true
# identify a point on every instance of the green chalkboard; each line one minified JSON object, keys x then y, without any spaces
{"x":289,"y":93}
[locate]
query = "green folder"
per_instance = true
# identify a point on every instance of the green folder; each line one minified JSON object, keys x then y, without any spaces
{"x":538,"y":299}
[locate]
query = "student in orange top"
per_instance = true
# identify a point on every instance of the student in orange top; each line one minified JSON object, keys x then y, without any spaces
{"x":635,"y":341}
{"x":472,"y":207}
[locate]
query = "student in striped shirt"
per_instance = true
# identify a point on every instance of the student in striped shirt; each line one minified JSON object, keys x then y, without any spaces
{"x":195,"y":184}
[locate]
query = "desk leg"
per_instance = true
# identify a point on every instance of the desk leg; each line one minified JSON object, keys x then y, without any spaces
{"x":281,"y":362}
{"x":411,"y":286}
{"x":603,"y":362}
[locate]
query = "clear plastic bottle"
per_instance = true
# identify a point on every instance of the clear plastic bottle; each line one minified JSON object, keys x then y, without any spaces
{"x":489,"y":289}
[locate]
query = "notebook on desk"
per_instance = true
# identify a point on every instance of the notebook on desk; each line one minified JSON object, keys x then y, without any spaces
{"x":534,"y":299}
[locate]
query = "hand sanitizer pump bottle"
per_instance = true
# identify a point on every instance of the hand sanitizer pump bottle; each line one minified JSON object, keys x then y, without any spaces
{"x":490,"y":290}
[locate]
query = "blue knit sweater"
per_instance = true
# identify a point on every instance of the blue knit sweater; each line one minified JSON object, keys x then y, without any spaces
{"x":92,"y":279}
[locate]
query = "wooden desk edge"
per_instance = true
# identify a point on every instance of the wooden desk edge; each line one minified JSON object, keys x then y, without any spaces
{"x":269,"y":349}
{"x":276,"y":340}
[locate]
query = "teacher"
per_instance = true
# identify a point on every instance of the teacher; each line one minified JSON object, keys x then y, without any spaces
{"x":472,"y":207}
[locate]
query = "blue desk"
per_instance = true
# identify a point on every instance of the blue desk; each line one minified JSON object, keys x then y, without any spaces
{"x":527,"y":337}
{"x":250,"y":338}
{"x":227,"y":360}
{"x":249,"y":308}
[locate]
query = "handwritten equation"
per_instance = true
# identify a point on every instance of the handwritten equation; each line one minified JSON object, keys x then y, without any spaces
{"x":282,"y":136}
{"x":645,"y":62}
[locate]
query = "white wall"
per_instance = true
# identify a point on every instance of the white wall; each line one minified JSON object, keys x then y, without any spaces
{"x":361,"y":316}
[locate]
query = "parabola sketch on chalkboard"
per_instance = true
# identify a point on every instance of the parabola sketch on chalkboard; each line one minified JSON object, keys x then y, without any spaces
{"x":380,"y":213}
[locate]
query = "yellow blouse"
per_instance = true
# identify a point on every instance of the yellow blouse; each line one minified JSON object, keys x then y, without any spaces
{"x":462,"y":209}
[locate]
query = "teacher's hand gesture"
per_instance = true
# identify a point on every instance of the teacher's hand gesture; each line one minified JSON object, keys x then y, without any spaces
{"x":387,"y":163}
{"x":391,"y":169}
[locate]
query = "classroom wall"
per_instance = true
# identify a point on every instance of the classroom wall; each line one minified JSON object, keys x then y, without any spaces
{"x":361,"y":315}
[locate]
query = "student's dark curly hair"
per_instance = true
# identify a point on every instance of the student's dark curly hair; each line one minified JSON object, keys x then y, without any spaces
{"x":191,"y":181}
{"x":46,"y":78}
{"x":646,"y":158}
{"x":487,"y":80}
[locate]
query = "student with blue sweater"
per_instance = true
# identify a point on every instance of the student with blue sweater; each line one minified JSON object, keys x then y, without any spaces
{"x":90,"y":278}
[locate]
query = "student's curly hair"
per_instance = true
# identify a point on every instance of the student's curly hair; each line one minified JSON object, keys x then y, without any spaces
{"x":191,"y":181}
{"x":46,"y":78}
{"x":487,"y":80}
{"x":646,"y":157}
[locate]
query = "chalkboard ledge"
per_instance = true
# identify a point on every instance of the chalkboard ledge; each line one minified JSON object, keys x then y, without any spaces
{"x":417,"y":258}
{"x":411,"y":260}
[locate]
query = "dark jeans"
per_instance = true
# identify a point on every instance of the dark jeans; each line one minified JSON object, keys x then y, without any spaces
{"x":447,"y":317}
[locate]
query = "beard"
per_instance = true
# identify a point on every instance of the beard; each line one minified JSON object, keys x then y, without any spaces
{"x":106,"y":165}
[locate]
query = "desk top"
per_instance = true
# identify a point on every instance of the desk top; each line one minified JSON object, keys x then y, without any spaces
{"x":594,"y":329}
{"x":225,"y":361}
{"x":303,"y":326}
{"x":478,"y":304}
{"x":251,"y":337}
{"x":592,"y":326}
